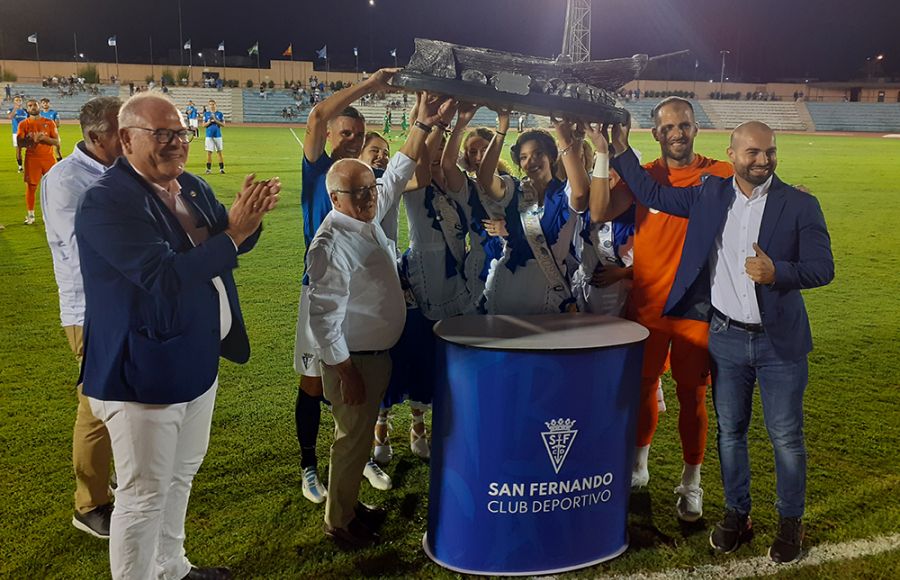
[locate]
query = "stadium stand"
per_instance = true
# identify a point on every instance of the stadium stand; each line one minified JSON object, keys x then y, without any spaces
{"x":862,"y":117}
{"x":68,"y":106}
{"x":269,"y":110}
{"x":776,"y":114}
{"x":640,"y":113}
{"x":200,"y":97}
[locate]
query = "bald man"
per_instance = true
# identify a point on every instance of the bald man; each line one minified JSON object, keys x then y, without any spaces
{"x":157,"y":253}
{"x":752,"y":244}
{"x":356,"y":314}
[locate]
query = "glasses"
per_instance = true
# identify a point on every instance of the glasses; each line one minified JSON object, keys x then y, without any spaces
{"x":364,"y":192}
{"x":165,"y":136}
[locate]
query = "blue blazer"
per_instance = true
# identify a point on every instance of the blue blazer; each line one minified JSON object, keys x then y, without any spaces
{"x":792,"y":233}
{"x":152,"y":318}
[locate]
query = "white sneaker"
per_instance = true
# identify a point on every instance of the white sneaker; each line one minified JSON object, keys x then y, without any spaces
{"x":377,"y":478}
{"x":640,"y":477}
{"x":29,"y":220}
{"x":419,"y":445}
{"x":313,"y":490}
{"x":689,"y":505}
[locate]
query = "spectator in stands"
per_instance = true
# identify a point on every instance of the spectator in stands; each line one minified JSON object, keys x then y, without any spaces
{"x":8,"y":92}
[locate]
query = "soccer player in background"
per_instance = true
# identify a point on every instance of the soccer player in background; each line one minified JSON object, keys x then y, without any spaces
{"x":193,"y":121}
{"x":213,"y":120}
{"x":48,"y":113}
{"x":16,"y":115}
{"x":38,"y":136}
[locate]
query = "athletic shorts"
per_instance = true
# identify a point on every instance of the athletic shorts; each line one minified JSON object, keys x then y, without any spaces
{"x":306,"y":362}
{"x":213,"y":143}
{"x":15,"y":141}
{"x":193,"y":123}
{"x":36,"y":168}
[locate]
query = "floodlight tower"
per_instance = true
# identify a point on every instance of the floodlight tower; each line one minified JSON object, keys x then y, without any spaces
{"x":577,"y":36}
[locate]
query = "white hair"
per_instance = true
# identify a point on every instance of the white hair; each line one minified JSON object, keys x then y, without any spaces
{"x":338,"y":177}
{"x":132,"y":111}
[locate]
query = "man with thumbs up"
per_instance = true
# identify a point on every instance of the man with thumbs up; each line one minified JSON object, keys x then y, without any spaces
{"x":753,"y":242}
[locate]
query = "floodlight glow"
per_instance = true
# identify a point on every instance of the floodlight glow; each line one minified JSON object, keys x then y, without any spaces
{"x":880,"y":57}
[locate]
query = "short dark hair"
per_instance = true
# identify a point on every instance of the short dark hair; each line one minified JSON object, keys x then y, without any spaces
{"x":543,"y":138}
{"x":670,"y":101}
{"x":45,"y":100}
{"x":353,"y":113}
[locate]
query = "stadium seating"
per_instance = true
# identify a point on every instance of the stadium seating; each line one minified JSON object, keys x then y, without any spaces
{"x":867,"y":117}
{"x":68,"y":107}
{"x":779,"y":115}
{"x":268,"y":110}
{"x":640,"y":113}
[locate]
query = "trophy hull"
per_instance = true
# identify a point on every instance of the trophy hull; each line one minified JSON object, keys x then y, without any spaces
{"x":535,"y":103}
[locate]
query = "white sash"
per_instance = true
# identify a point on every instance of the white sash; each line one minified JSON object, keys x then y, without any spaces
{"x":530,"y":213}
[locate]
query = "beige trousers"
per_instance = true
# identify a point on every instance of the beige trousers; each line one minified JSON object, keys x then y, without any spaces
{"x":91,"y":449}
{"x":353,"y":427}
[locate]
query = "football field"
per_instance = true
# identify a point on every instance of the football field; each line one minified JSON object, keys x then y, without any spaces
{"x":246,"y":509}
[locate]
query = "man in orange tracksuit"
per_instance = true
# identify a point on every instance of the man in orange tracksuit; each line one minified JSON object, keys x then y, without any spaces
{"x":658,"y":241}
{"x":38,"y":136}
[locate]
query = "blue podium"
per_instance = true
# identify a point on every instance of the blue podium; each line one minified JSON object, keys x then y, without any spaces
{"x":532,"y":442}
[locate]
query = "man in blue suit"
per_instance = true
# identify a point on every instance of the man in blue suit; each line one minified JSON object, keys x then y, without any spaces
{"x":753,"y":242}
{"x":157,"y":250}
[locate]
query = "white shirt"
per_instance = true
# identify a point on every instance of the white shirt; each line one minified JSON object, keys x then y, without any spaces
{"x":62,"y":191}
{"x":355,"y":299}
{"x":733,"y":292}
{"x":197,"y":235}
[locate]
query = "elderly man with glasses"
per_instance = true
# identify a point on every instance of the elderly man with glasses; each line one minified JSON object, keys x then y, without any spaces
{"x":356,"y":314}
{"x":157,"y":253}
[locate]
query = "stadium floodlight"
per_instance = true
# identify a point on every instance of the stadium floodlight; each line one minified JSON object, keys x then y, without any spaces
{"x":722,"y":77}
{"x":879,"y":57}
{"x":371,"y":2}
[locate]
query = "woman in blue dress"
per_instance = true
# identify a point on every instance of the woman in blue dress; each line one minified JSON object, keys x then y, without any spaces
{"x":533,"y":275}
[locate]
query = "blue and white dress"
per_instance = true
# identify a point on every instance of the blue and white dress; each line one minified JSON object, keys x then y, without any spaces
{"x":432,"y":275}
{"x":533,"y":275}
{"x":607,"y":243}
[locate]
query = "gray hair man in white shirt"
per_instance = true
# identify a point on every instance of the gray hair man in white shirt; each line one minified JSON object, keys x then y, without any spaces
{"x":357,"y":313}
{"x":62,"y":191}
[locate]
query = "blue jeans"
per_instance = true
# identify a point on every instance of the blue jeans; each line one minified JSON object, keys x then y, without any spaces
{"x":738,"y":359}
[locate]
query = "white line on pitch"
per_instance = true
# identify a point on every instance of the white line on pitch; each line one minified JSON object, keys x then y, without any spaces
{"x":763,"y":566}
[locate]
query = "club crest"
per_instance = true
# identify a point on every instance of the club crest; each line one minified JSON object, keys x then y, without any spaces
{"x":558,"y":440}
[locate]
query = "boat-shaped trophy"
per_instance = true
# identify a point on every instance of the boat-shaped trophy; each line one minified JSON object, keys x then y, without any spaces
{"x":559,"y":88}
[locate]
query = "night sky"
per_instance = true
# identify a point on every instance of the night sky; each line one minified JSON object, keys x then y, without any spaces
{"x":768,"y":39}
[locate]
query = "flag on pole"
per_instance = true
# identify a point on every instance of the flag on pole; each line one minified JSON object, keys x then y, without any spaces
{"x":394,"y":52}
{"x":253,"y":49}
{"x":323,"y":52}
{"x":289,"y":51}
{"x":222,"y":46}
{"x":355,"y":51}
{"x":111,"y":41}
{"x":33,"y":38}
{"x":696,"y":63}
{"x":187,"y":45}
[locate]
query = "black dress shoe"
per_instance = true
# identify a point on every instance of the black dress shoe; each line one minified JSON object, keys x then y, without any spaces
{"x":355,"y":536}
{"x":370,"y":516}
{"x":208,"y":574}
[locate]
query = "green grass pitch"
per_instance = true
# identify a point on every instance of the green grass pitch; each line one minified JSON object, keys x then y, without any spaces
{"x":247,"y":511}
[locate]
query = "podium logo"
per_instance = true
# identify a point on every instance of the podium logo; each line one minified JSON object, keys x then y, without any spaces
{"x":558,"y":440}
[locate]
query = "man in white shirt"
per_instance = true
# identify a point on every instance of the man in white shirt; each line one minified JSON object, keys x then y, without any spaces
{"x":62,"y":191}
{"x":357,"y":312}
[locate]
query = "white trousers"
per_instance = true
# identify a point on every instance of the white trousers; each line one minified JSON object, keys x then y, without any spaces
{"x":157,"y":451}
